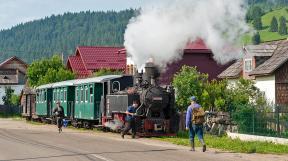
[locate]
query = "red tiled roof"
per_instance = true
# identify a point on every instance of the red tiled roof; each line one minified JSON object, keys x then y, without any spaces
{"x":77,"y":66}
{"x":87,"y":59}
{"x":76,"y":63}
{"x":197,"y":45}
{"x":102,"y":57}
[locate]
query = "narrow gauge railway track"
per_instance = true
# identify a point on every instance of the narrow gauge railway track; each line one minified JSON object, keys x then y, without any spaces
{"x":16,"y":138}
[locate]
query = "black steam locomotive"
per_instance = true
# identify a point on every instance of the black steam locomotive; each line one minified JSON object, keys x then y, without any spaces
{"x":155,"y":115}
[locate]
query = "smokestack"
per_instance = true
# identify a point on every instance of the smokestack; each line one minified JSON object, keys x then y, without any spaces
{"x":152,"y":73}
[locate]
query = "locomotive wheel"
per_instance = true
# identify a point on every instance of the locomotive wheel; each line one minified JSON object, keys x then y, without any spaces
{"x":75,"y":124}
{"x":86,"y":125}
{"x":42,"y":120}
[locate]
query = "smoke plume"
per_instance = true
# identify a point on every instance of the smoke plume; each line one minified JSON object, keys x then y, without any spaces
{"x":114,"y":125}
{"x":162,"y":30}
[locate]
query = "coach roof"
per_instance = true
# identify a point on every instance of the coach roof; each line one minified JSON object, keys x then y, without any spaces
{"x":79,"y":81}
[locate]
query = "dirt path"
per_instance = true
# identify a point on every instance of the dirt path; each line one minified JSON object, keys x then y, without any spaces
{"x":42,"y":142}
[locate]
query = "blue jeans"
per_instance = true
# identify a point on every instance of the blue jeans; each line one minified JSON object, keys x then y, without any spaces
{"x":196,"y":129}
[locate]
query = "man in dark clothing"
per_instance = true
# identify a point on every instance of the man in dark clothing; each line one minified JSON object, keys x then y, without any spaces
{"x":58,"y":111}
{"x":130,"y":119}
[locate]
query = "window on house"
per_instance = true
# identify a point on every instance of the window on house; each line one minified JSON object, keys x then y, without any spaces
{"x":248,"y":65}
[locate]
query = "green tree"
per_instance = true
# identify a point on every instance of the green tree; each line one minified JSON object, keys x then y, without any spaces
{"x":257,"y":23}
{"x":188,"y":82}
{"x":15,"y":100}
{"x":214,"y":95}
{"x":274,"y":25}
{"x":253,"y":13}
{"x":107,"y":71}
{"x":48,"y":71}
{"x":244,"y":92}
{"x":282,"y":26}
{"x":257,"y":12}
{"x":7,"y":99}
{"x":256,"y":39}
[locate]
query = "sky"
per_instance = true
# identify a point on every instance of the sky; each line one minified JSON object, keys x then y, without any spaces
{"x":13,"y":12}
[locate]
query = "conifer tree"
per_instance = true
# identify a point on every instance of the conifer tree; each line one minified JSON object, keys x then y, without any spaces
{"x":274,"y":25}
{"x":282,"y":26}
{"x":256,"y":39}
{"x":257,"y":23}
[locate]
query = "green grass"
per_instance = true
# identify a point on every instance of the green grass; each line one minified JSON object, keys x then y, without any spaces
{"x":266,"y":19}
{"x":13,"y":116}
{"x":227,"y":144}
{"x":265,"y":34}
{"x":35,"y":123}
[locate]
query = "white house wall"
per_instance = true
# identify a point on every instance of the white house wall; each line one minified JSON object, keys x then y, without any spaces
{"x":232,"y":82}
{"x":267,"y":85}
{"x":17,"y":91}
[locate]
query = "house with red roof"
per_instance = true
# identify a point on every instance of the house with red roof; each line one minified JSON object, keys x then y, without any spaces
{"x":195,"y":54}
{"x":88,"y":59}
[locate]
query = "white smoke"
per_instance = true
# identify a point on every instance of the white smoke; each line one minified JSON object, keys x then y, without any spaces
{"x":163,"y":30}
{"x":114,"y":125}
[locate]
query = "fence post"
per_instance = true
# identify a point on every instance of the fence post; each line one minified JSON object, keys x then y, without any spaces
{"x":278,"y":120}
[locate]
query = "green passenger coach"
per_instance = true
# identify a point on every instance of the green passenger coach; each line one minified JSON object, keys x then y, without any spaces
{"x":64,"y":92}
{"x":83,"y":100}
{"x":43,"y":101}
{"x":88,"y":97}
{"x":47,"y":96}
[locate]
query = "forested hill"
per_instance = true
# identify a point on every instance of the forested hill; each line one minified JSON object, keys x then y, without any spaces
{"x":62,"y":33}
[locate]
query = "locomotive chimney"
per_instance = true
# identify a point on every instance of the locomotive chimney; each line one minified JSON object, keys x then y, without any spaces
{"x":151,"y":73}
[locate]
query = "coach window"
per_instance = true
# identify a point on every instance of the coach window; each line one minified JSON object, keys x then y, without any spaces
{"x":37,"y":97}
{"x":54,"y":94}
{"x":82,"y":95}
{"x":65,"y":95}
{"x":61,"y":94}
{"x":91,"y":93}
{"x":86,"y":94}
{"x":45,"y":96}
{"x":76,"y":95}
{"x":40,"y":96}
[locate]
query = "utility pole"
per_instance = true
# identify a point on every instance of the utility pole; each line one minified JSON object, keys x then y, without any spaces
{"x":62,"y":57}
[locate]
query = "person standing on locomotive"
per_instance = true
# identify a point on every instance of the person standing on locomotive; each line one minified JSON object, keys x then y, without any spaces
{"x":130,"y":122}
{"x":194,"y":123}
{"x":58,"y":111}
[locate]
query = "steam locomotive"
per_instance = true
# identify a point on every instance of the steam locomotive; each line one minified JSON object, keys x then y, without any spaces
{"x":102,"y":102}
